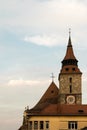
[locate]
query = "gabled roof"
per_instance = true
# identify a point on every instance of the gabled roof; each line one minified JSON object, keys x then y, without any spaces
{"x":49,"y":97}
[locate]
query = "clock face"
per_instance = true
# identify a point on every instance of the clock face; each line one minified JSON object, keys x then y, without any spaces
{"x":70,"y":99}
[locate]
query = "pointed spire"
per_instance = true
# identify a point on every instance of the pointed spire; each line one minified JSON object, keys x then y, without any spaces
{"x":69,"y":41}
{"x":69,"y":58}
{"x":69,"y":51}
{"x":70,"y":63}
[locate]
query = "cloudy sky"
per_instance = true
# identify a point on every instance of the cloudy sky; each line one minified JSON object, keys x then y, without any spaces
{"x":33,"y":40}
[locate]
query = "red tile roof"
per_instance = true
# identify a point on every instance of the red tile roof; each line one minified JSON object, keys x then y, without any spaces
{"x":57,"y":109}
{"x":49,"y":97}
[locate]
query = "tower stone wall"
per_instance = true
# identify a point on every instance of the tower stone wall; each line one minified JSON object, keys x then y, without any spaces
{"x":67,"y":80}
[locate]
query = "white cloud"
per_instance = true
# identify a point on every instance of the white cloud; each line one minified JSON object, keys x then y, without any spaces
{"x":51,"y":40}
{"x":22,"y":82}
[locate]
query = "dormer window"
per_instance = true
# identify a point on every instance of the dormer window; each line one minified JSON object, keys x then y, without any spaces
{"x":80,"y":111}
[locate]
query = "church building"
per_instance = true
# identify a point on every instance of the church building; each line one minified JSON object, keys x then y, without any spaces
{"x":60,"y":108}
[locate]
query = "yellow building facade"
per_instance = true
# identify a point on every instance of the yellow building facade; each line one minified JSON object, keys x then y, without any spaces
{"x":60,"y":108}
{"x":59,"y":122}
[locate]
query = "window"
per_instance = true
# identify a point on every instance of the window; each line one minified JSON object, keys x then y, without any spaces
{"x":80,"y":111}
{"x":41,"y":125}
{"x":70,"y":88}
{"x":35,"y":124}
{"x":47,"y":124}
{"x":67,"y":69}
{"x":72,"y":125}
{"x":30,"y":125}
{"x":70,"y":79}
{"x":52,"y":91}
{"x":73,"y":69}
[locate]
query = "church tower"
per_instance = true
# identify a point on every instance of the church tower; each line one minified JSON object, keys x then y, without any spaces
{"x":70,"y":78}
{"x":60,"y":108}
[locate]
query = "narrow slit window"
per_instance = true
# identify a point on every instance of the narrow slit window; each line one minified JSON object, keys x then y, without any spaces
{"x":70,"y":79}
{"x":70,"y":88}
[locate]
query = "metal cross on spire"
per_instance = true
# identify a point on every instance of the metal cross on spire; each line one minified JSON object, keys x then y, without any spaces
{"x":52,"y":76}
{"x":69,"y":31}
{"x":69,"y":41}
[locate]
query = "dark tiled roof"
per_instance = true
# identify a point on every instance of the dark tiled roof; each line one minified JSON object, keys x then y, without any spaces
{"x":49,"y":97}
{"x":57,"y":109}
{"x":69,"y":52}
{"x":70,"y":63}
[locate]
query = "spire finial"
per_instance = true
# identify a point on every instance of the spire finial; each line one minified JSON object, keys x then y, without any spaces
{"x":52,"y":76}
{"x":69,"y":41}
{"x":69,"y":32}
